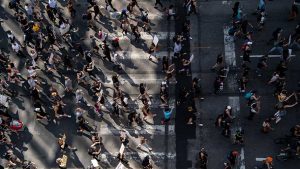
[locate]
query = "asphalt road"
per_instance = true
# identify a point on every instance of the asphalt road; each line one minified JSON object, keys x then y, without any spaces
{"x":207,"y":31}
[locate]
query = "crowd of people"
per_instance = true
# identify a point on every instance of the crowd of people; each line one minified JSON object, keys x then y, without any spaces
{"x":242,"y":30}
{"x":51,"y":48}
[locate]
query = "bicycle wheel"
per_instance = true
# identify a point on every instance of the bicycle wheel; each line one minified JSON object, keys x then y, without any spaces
{"x":281,"y":157}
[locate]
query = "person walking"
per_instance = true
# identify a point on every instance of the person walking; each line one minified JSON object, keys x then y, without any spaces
{"x":167,"y":115}
{"x":254,"y":109}
{"x":158,"y":2}
{"x":109,"y":4}
{"x":143,"y":141}
{"x":202,"y":156}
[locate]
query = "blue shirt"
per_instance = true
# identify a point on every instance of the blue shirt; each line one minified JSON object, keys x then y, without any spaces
{"x":167,"y":114}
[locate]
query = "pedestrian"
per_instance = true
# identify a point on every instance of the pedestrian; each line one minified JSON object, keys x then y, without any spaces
{"x":226,"y":131}
{"x":63,"y":144}
{"x":143,"y":141}
{"x":17,"y":48}
{"x":135,"y":31}
{"x":232,"y":157}
{"x":95,"y":150}
{"x":71,"y":9}
{"x":202,"y":156}
{"x":171,"y":12}
{"x":122,"y":159}
{"x":219,"y":62}
{"x":62,"y":162}
{"x":246,"y":48}
{"x":109,"y":4}
{"x":266,"y":126}
{"x":79,"y":95}
{"x":53,"y":6}
{"x":50,"y":13}
{"x":227,"y":166}
{"x":293,"y":12}
{"x":124,"y":139}
{"x":146,"y":163}
{"x":97,"y":11}
{"x":167,"y":115}
{"x":29,"y":10}
{"x":11,"y":36}
{"x":106,"y":51}
{"x":158,"y":2}
{"x":152,"y":51}
{"x":68,"y":84}
{"x":253,"y":111}
{"x":261,"y":65}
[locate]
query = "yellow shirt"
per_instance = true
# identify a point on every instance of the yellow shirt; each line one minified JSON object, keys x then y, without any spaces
{"x":36,"y":28}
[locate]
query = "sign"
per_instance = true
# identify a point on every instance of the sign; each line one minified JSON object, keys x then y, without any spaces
{"x":155,"y":40}
{"x":122,"y":148}
{"x":120,"y":166}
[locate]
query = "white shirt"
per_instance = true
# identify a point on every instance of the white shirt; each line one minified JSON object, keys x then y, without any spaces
{"x":31,"y":82}
{"x":33,"y":55}
{"x":68,"y":83}
{"x":31,"y":72}
{"x":28,"y":9}
{"x":177,"y":47}
{"x":10,"y":36}
{"x":15,"y":47}
{"x":51,"y":60}
{"x":52,"y":3}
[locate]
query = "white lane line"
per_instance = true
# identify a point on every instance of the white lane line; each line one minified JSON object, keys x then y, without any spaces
{"x":226,"y":2}
{"x":156,"y":157}
{"x":230,"y":58}
{"x":234,"y":102}
{"x":141,"y":80}
{"x":260,"y":159}
{"x":149,"y":129}
{"x":151,"y":16}
{"x":242,"y":166}
{"x":141,"y":54}
{"x":146,"y":36}
{"x":269,"y":56}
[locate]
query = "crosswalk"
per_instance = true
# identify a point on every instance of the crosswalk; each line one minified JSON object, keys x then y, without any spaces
{"x":146,"y":130}
{"x":138,"y":69}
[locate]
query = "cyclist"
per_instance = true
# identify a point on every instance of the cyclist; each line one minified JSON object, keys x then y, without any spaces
{"x":268,"y":162}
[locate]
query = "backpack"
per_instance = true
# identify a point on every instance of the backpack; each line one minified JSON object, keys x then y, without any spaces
{"x":248,"y":95}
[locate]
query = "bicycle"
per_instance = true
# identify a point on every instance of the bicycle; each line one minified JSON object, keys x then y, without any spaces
{"x":285,"y":155}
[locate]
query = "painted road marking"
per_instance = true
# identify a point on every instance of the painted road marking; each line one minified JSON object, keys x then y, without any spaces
{"x":156,"y":157}
{"x":260,"y":159}
{"x":242,"y":156}
{"x":132,"y":80}
{"x":229,"y":47}
{"x":151,"y":16}
{"x":226,"y":2}
{"x":147,"y":36}
{"x":269,"y":56}
{"x":141,"y":54}
{"x":149,"y":129}
{"x":234,"y":102}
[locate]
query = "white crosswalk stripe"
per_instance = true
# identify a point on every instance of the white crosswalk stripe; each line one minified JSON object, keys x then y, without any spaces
{"x":269,"y":56}
{"x":146,"y":36}
{"x":147,"y":129}
{"x":141,"y":55}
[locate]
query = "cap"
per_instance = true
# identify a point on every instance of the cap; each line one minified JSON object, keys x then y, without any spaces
{"x":228,"y":107}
